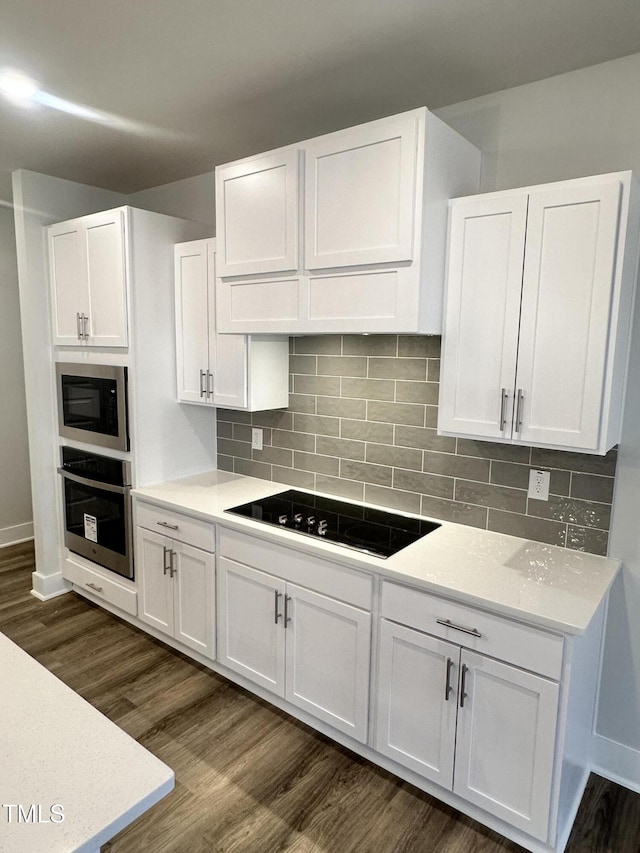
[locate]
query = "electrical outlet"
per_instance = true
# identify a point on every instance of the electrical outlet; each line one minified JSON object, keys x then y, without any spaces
{"x":256,"y":438}
{"x":539,"y":485}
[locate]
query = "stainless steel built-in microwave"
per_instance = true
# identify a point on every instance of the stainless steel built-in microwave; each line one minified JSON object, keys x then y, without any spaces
{"x":92,"y":404}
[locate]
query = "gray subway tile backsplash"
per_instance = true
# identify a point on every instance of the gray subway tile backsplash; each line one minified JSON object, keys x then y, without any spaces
{"x":361,"y":425}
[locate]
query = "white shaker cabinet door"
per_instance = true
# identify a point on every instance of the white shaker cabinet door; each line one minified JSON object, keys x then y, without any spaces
{"x":328,"y":651}
{"x":257,"y":215}
{"x":417,"y":701}
{"x":155,"y":588}
{"x":506,"y":742}
{"x":480,"y":337}
{"x":192,"y":319}
{"x":230,"y":372}
{"x":360,"y":194}
{"x":69,"y":284}
{"x":194,"y":598}
{"x":251,"y":635}
{"x":106,"y":264}
{"x":566,"y":297}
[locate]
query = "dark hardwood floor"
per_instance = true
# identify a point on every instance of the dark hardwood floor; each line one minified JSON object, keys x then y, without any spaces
{"x":250,"y":779}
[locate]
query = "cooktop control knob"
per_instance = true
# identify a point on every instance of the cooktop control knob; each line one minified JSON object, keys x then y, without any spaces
{"x":311,"y":520}
{"x":282,"y":519}
{"x":298,"y":518}
{"x":322,"y":527}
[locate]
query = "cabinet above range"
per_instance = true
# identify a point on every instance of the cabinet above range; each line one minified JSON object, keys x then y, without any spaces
{"x":342,"y":233}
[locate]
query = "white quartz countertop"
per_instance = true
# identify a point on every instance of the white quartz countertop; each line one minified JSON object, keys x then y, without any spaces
{"x":542,"y":584}
{"x":57,"y":750}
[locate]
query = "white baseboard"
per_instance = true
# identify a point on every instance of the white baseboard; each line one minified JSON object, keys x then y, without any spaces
{"x":16,"y":534}
{"x":49,"y":586}
{"x":617,"y":762}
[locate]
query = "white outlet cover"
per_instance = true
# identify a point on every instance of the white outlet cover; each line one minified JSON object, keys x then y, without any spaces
{"x":256,"y":438}
{"x":539,"y":485}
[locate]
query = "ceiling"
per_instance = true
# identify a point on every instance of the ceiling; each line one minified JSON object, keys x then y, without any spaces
{"x":182,"y":85}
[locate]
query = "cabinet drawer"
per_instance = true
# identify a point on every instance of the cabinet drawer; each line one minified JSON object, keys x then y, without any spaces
{"x":522,"y":645}
{"x":121,"y":596}
{"x":192,"y":531}
{"x":320,"y":575}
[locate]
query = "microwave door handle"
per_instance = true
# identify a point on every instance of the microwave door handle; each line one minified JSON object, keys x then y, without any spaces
{"x":96,"y":484}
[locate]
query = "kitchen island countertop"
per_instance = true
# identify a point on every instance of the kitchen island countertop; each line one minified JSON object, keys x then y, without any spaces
{"x":70,"y":779}
{"x":542,"y":584}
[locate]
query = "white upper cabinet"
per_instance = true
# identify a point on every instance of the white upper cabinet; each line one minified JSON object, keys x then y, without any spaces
{"x":257,"y":215}
{"x":230,"y":371}
{"x":539,"y":295}
{"x":370,"y":208}
{"x":88,"y":275}
{"x":360,"y":194}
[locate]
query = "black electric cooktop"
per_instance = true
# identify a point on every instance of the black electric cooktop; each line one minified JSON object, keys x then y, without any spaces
{"x":373,"y":531}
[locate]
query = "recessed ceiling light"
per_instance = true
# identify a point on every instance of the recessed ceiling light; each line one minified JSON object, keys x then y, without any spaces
{"x":18,"y":88}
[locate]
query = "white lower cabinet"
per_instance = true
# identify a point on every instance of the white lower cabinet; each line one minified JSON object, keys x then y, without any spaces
{"x":176,"y":585}
{"x":416,"y":701}
{"x":505,"y":745}
{"x":480,"y":727}
{"x":306,"y":646}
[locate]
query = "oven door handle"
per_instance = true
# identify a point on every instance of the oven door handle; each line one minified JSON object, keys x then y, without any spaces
{"x":96,"y":484}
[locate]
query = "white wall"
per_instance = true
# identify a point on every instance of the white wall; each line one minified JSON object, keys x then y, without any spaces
{"x":192,"y":198}
{"x":15,"y":486}
{"x":40,"y":200}
{"x":583,"y":123}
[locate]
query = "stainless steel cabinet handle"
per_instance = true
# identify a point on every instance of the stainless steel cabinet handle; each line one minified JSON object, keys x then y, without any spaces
{"x":502,"y":422}
{"x":85,"y":327}
{"x":447,"y":683}
{"x":287,"y":618}
{"x":276,"y":615}
{"x":166,"y":524}
{"x":203,"y":386}
{"x":463,"y":679}
{"x":173,"y":569}
{"x":78,"y":329}
{"x":209,"y":383}
{"x":165,"y":567}
{"x":449,"y":624}
{"x":95,"y":586}
{"x":519,"y":408}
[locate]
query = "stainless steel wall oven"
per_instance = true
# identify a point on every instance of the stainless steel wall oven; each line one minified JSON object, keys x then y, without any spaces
{"x":92,"y":403}
{"x":97,"y":508}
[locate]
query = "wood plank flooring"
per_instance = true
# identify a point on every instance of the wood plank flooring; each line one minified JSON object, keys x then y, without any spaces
{"x":249,"y":779}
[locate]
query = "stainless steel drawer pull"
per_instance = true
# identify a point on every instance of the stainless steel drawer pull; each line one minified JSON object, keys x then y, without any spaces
{"x":166,"y":524}
{"x":449,"y":624}
{"x":463,"y":679}
{"x":95,"y":586}
{"x":447,"y":684}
